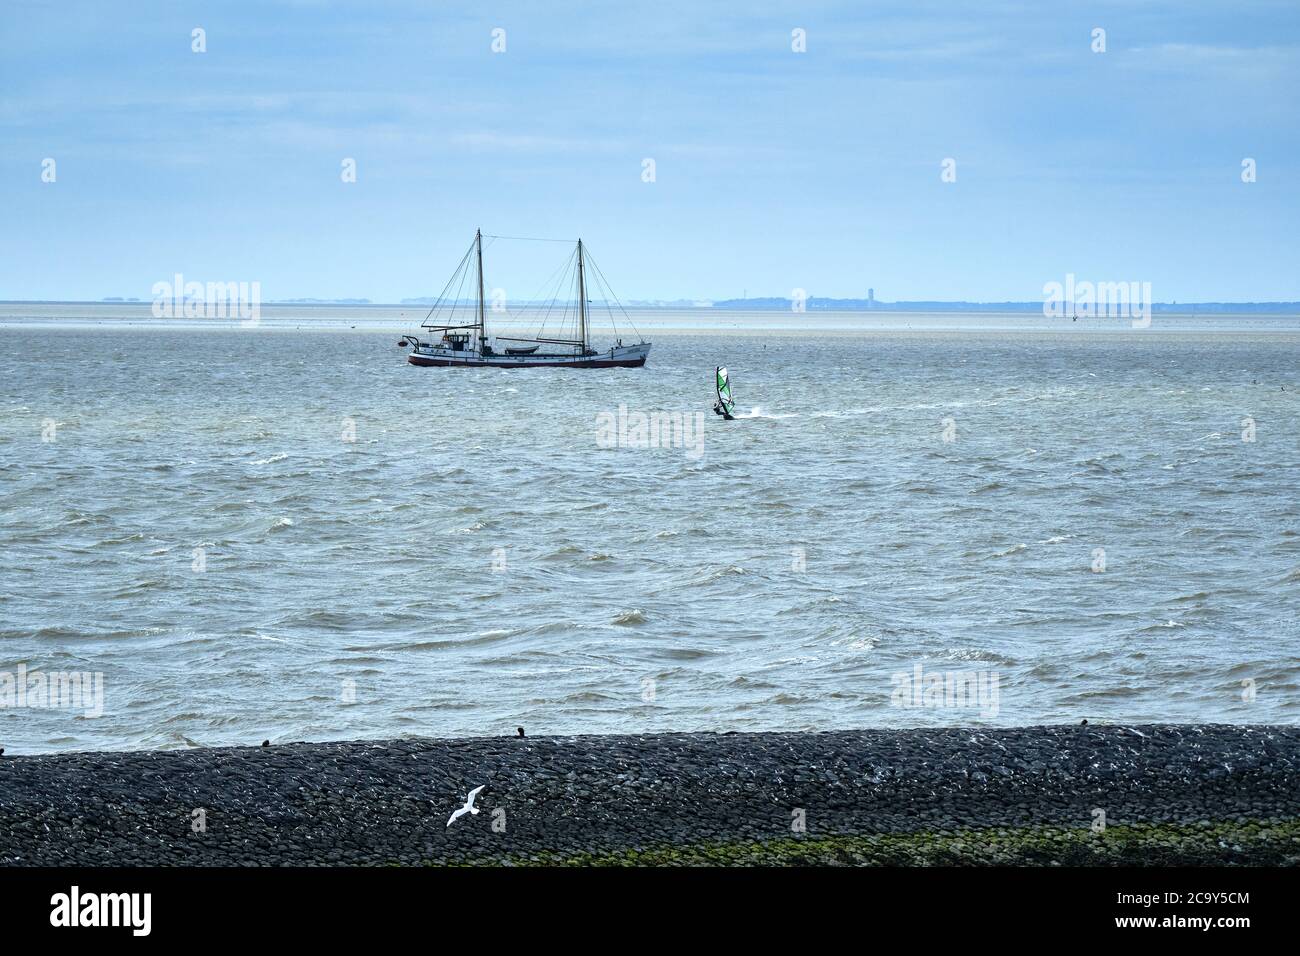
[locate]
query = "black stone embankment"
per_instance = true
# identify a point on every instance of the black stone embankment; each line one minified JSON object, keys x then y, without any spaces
{"x":1170,"y":794}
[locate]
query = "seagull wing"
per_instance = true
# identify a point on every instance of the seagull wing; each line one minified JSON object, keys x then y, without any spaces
{"x":472,"y":794}
{"x":460,"y":812}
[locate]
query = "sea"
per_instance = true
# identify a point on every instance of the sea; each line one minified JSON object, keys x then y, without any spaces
{"x":214,"y":533}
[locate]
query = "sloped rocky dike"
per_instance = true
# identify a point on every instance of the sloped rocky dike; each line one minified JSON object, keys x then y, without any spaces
{"x":548,"y":799}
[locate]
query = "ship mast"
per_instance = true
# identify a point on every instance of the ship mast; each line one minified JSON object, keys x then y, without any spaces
{"x":478,"y":245}
{"x":582,"y":302}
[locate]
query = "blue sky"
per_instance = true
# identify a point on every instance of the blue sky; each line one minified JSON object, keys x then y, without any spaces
{"x":774,"y":169}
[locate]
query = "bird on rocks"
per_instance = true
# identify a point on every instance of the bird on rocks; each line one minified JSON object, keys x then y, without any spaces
{"x":266,"y":743}
{"x":1084,"y":722}
{"x":521,"y":731}
{"x":467,"y":808}
{"x":2,"y":751}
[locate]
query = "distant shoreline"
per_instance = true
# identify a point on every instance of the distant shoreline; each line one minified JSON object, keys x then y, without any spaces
{"x":723,"y":324}
{"x":759,"y":305}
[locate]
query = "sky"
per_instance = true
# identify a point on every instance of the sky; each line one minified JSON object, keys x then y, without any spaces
{"x":774,"y":170}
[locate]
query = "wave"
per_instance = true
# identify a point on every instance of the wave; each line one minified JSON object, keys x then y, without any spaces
{"x":758,"y":412}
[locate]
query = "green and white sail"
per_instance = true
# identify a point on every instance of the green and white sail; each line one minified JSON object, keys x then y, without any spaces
{"x":724,"y":391}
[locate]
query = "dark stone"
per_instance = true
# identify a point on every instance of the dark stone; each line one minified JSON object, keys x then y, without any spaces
{"x":386,"y":801}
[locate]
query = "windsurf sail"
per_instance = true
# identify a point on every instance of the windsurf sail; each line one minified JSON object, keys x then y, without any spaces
{"x":724,"y":392}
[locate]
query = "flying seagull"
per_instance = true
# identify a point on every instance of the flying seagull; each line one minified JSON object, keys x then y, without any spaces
{"x":467,"y":808}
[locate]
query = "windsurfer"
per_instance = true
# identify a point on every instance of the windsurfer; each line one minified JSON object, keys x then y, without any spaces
{"x":724,"y":404}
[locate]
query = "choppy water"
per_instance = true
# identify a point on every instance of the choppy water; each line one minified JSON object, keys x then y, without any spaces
{"x":475,"y":559}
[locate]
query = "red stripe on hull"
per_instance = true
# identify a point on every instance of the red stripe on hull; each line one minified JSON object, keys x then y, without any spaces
{"x":588,"y":363}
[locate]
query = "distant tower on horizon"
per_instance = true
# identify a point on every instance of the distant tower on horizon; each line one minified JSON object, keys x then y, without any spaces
{"x":871,"y":298}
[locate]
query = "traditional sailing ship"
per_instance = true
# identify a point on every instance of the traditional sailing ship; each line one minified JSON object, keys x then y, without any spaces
{"x":464,"y":340}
